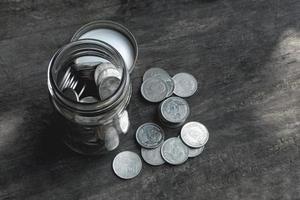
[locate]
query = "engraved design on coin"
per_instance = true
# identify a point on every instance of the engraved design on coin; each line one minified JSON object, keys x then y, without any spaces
{"x":174,"y":151}
{"x":194,"y":134}
{"x":127,"y":165}
{"x":185,"y":84}
{"x":163,"y":75}
{"x":175,"y":110}
{"x":154,"y":89}
{"x":149,"y":135}
{"x":152,"y":156}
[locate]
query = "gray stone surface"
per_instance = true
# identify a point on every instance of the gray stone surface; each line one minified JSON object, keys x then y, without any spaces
{"x":245,"y":56}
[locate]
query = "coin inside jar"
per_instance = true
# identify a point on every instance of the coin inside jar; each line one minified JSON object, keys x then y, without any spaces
{"x":127,"y":165}
{"x":71,"y":94}
{"x":194,"y":134}
{"x":108,"y":80}
{"x":185,"y":84}
{"x":101,"y":68}
{"x":154,"y":89}
{"x":108,"y":87}
{"x":149,"y":135}
{"x":174,"y":152}
{"x":88,"y":99}
{"x":174,"y":110}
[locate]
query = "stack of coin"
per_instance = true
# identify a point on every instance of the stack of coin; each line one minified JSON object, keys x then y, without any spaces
{"x":195,"y":135}
{"x":86,"y":83}
{"x":150,"y":137}
{"x":173,"y":111}
{"x":71,"y":86}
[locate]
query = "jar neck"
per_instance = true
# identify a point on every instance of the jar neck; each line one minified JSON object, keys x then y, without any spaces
{"x":86,"y":47}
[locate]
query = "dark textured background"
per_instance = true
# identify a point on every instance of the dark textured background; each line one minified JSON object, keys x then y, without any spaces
{"x":245,"y":55}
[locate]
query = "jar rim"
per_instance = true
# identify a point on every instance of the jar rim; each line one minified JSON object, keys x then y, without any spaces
{"x":97,"y":24}
{"x":87,"y":107}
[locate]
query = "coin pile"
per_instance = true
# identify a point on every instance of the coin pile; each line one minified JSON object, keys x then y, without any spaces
{"x":90,"y":83}
{"x":173,"y":111}
{"x":158,"y":85}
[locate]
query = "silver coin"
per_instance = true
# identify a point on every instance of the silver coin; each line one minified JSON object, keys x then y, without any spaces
{"x":127,"y":165}
{"x":101,"y":68}
{"x":174,"y":110}
{"x":174,"y":152}
{"x":154,"y":89}
{"x":88,"y":99}
{"x":152,"y":156}
{"x":154,"y":72}
{"x":169,"y":82}
{"x":194,"y":134}
{"x":108,"y":87}
{"x":185,"y":84}
{"x":193,"y":152}
{"x":71,"y":94}
{"x":84,"y":71}
{"x":149,"y":135}
{"x":110,"y":72}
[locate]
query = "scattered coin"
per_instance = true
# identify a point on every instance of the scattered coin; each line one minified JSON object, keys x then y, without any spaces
{"x":149,"y":135}
{"x":194,"y":134}
{"x":193,"y":152}
{"x":174,"y":110}
{"x":88,"y":99}
{"x":152,"y":72}
{"x":174,"y":152}
{"x":169,"y":83}
{"x":152,"y":156}
{"x":154,"y":89}
{"x":71,"y":94}
{"x":185,"y":84}
{"x":127,"y":165}
{"x":163,"y":75}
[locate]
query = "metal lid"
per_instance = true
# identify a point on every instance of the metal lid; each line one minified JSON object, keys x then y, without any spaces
{"x":115,"y":35}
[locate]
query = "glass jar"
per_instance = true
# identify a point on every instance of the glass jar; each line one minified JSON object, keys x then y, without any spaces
{"x":89,"y":128}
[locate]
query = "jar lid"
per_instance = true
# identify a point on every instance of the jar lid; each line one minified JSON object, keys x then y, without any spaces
{"x":115,"y":35}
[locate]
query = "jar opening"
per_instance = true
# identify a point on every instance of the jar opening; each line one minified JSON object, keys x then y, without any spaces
{"x":71,"y":75}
